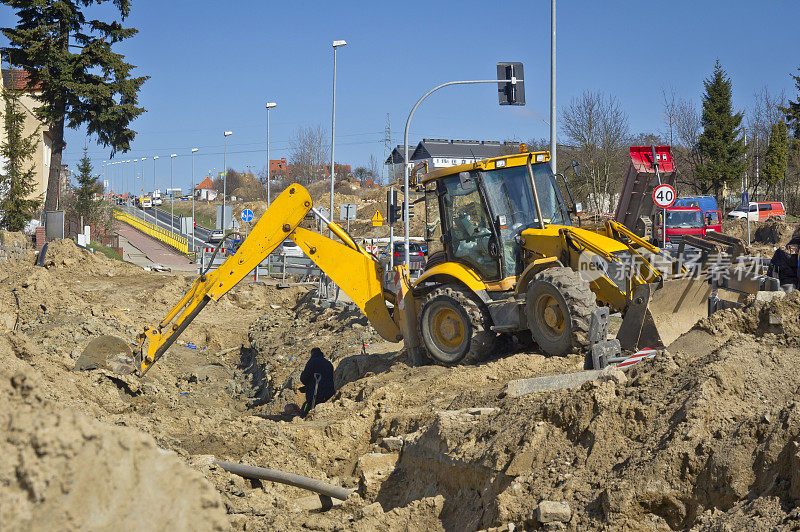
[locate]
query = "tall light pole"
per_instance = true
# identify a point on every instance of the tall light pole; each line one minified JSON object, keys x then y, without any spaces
{"x":336,"y":44}
{"x":193,"y":152}
{"x":141,"y":169}
{"x":104,"y":178}
{"x":127,"y":202}
{"x":553,"y":165}
{"x":154,"y":173}
{"x":225,"y":176}
{"x":171,"y":196}
{"x":270,"y":105}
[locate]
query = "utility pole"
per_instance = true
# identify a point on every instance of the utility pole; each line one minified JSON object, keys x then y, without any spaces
{"x":225,"y":176}
{"x":336,"y":44}
{"x":194,"y":150}
{"x":270,"y":105}
{"x":387,"y":147}
{"x":171,"y":195}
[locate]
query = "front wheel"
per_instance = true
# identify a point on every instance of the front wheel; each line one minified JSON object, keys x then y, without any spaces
{"x":455,"y":327}
{"x":559,"y":309}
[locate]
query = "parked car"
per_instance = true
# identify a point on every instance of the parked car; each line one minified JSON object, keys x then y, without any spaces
{"x":290,"y":249}
{"x":416,"y":255}
{"x":759,"y":211}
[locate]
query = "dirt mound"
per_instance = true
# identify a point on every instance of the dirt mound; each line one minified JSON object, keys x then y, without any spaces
{"x":770,"y":232}
{"x":14,"y":239}
{"x":767,"y":233}
{"x":64,"y":254}
{"x":704,"y":435}
{"x":64,"y":470}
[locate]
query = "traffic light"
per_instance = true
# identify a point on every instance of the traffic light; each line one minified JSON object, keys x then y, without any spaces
{"x":513,"y":91}
{"x":395,"y":213}
{"x":392,"y":208}
{"x":403,"y":212}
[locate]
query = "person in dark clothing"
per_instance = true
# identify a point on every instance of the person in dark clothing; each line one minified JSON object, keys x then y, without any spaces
{"x":784,"y":265}
{"x":317,"y":379}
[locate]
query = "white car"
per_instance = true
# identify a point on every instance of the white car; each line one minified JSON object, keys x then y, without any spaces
{"x":216,"y":236}
{"x":739,"y":213}
{"x":290,"y":249}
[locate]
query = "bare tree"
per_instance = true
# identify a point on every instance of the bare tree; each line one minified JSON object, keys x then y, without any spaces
{"x":765,"y":113}
{"x":374,"y":169}
{"x":682,"y":130}
{"x":597,"y":127}
{"x":309,"y":152}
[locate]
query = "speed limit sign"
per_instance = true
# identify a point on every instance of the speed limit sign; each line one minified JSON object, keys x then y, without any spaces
{"x":664,"y":196}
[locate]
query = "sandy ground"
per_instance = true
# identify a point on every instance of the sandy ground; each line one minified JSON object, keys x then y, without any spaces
{"x":703,"y":437}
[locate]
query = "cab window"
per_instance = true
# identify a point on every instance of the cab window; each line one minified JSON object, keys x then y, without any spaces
{"x":469,"y":226}
{"x":433,"y":222}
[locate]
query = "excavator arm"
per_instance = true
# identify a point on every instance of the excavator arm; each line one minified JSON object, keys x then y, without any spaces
{"x":355,"y":271}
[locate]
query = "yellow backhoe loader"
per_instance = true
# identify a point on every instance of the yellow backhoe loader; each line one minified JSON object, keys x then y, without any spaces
{"x":503,"y":257}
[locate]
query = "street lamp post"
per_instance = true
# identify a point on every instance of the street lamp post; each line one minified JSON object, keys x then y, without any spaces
{"x":225,"y":176}
{"x":553,"y":86}
{"x":193,"y":224}
{"x":336,"y":44}
{"x":270,"y":105}
{"x":141,"y":189}
{"x":171,"y":195}
{"x":154,"y":173}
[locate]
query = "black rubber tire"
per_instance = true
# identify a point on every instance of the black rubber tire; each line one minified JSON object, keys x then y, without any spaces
{"x":576,"y":302}
{"x":478,"y":338}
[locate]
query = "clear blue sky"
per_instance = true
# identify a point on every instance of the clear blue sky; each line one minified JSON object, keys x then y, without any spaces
{"x":213,"y":65}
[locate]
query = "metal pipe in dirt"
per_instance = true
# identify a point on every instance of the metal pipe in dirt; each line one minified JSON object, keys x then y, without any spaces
{"x":291,"y":479}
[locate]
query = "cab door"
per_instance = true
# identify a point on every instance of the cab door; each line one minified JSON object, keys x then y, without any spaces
{"x":713,"y":221}
{"x":468,"y":233}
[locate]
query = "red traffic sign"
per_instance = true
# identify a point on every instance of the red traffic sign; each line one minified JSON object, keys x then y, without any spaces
{"x":664,"y":196}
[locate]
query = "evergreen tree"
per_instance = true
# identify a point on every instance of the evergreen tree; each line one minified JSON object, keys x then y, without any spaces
{"x":78,"y":78}
{"x":89,"y":186}
{"x":777,"y":155}
{"x":793,"y":111}
{"x":17,"y":180}
{"x":720,"y":145}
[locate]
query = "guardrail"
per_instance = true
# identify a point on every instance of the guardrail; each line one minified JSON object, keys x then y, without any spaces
{"x":159,"y":233}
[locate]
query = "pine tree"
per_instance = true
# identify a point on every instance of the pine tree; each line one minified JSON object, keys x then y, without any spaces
{"x":79,"y":79}
{"x":793,"y":111}
{"x":720,"y":144}
{"x":777,"y":155}
{"x":17,"y":180}
{"x":86,"y":206}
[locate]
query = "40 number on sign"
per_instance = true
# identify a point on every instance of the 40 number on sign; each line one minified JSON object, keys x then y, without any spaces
{"x":664,"y":196}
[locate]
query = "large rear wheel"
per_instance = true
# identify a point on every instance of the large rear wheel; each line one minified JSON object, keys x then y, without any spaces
{"x":559,"y":308}
{"x":455,"y":327}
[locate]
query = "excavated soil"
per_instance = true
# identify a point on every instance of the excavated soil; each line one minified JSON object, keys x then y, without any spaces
{"x":703,"y":437}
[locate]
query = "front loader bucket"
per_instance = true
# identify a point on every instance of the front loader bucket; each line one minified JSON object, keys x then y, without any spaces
{"x":659,"y":314}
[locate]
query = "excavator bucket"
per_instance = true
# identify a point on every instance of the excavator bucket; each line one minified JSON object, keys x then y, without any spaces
{"x":660,"y":312}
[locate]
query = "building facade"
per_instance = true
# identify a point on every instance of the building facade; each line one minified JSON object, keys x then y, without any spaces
{"x":443,"y":153}
{"x":17,"y":79}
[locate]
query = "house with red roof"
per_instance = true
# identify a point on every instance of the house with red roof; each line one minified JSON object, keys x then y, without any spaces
{"x":205,"y":190}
